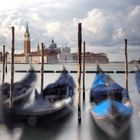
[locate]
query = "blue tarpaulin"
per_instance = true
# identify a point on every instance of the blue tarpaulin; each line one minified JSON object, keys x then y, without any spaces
{"x":104,"y":107}
{"x":103,"y":86}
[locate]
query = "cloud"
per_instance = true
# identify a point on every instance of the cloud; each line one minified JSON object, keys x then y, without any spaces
{"x":98,"y":23}
{"x":53,"y":27}
{"x":133,"y":22}
{"x":105,"y":23}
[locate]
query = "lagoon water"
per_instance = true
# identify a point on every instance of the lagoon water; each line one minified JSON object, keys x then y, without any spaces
{"x":68,"y":128}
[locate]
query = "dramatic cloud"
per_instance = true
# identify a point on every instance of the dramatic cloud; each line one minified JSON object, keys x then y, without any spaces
{"x":105,"y":23}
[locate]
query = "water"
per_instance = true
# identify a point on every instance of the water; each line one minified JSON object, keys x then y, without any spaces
{"x":68,"y":128}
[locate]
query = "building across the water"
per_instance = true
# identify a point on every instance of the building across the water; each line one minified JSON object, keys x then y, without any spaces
{"x":92,"y":57}
{"x":65,"y":55}
{"x":50,"y":53}
{"x":53,"y":54}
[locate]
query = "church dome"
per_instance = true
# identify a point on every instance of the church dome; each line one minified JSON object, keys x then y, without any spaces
{"x":53,"y":45}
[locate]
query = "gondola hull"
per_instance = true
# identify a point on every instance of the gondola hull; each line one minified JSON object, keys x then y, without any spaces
{"x":55,"y":101}
{"x":39,"y":113}
{"x":21,"y":90}
{"x":19,"y":101}
{"x":112,"y":123}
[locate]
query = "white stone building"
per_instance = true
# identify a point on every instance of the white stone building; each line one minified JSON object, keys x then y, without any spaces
{"x":65,"y":55}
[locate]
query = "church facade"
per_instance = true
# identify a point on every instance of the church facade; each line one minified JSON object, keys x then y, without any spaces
{"x":28,"y":56}
{"x":65,"y":55}
{"x":53,"y":54}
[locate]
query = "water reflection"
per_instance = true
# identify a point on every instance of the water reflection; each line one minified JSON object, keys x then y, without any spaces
{"x":79,"y":131}
{"x":67,"y":128}
{"x":44,"y":130}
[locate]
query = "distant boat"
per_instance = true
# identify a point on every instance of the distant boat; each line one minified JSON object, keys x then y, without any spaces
{"x":21,"y":90}
{"x":137,"y":77}
{"x":111,"y":113}
{"x":55,"y":101}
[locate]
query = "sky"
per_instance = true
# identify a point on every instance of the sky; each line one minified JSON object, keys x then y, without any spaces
{"x":105,"y":24}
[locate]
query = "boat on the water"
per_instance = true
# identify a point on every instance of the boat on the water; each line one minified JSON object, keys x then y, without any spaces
{"x":137,"y":77}
{"x":104,"y":84}
{"x":55,"y":101}
{"x":21,"y":90}
{"x":113,"y":108}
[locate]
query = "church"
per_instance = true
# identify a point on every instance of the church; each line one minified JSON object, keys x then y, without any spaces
{"x":28,"y":56}
{"x":53,"y":54}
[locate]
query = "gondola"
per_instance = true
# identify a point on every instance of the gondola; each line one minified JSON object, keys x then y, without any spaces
{"x":111,"y":112}
{"x":137,"y":77}
{"x":21,"y":90}
{"x":102,"y":85}
{"x":55,"y":101}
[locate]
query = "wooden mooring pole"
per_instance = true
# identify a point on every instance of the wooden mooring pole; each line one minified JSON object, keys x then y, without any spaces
{"x":42,"y":66}
{"x":84,"y":71}
{"x":3,"y":66}
{"x":6,"y":55}
{"x":126,"y":65}
{"x":12,"y":68}
{"x":79,"y":70}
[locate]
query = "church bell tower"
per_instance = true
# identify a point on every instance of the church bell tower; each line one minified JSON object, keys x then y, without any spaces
{"x":26,"y":41}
